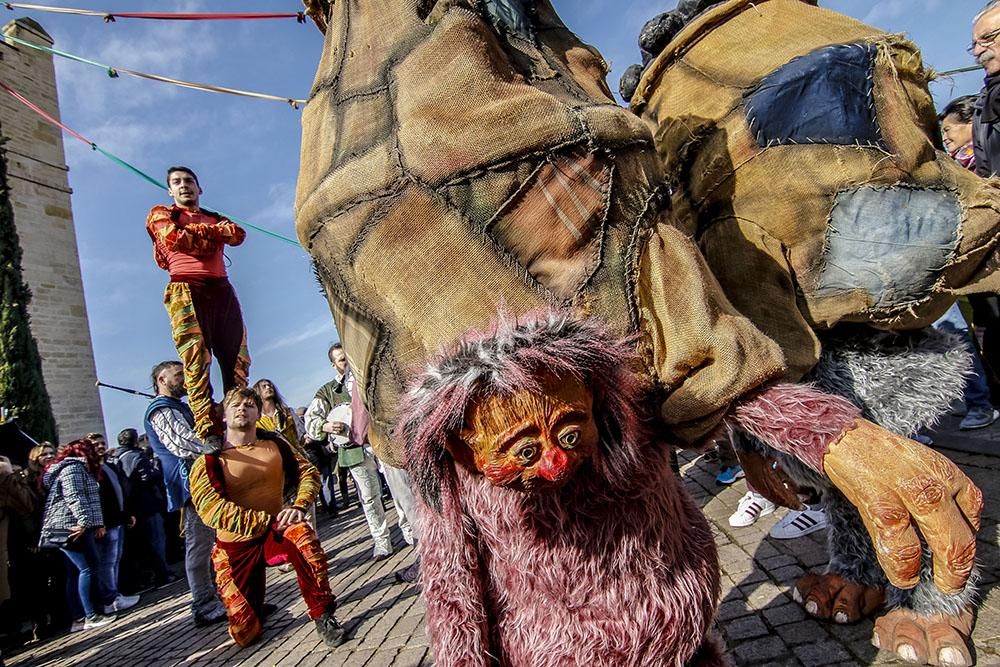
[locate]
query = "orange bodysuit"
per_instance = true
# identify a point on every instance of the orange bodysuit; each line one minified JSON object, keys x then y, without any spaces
{"x":254,"y":478}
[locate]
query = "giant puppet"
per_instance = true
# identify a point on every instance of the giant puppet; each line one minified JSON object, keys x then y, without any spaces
{"x":810,"y":174}
{"x":464,"y":166}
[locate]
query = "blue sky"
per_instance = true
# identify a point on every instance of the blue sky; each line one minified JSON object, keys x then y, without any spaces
{"x":246,"y":154}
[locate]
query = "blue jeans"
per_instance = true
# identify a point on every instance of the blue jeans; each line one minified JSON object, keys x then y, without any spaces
{"x":109,"y":549}
{"x":87,"y":562}
{"x":156,"y":540}
{"x":977,"y":392}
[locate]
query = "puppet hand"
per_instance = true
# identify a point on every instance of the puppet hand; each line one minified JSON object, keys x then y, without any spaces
{"x":900,"y":486}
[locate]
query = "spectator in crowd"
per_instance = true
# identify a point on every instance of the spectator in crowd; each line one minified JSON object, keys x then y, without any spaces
{"x":277,"y":417}
{"x":322,"y":422}
{"x":275,"y":414}
{"x":146,"y":502}
{"x":16,"y":499}
{"x":316,"y":452}
{"x":39,"y":457}
{"x":986,"y":118}
{"x":73,"y":521}
{"x":170,"y":427}
{"x":957,"y":130}
{"x":986,"y":148}
{"x":331,"y":395}
{"x":41,"y":573}
{"x":110,"y":545}
{"x":753,"y":505}
{"x":241,"y":492}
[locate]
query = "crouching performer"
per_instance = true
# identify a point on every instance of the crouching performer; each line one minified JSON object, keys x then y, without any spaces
{"x":241,"y":492}
{"x":555,"y":532}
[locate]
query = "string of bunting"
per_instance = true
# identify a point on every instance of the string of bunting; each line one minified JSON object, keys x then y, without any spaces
{"x":130,"y":167}
{"x":114,"y":73}
{"x":109,"y":17}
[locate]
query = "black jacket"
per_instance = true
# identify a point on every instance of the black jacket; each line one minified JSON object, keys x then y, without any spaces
{"x":985,"y":141}
{"x":145,"y":492}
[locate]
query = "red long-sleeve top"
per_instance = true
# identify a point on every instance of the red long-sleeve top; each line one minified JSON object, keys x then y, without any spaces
{"x":189,"y":244}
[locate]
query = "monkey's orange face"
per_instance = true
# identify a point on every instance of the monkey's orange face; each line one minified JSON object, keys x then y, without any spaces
{"x":532,"y":441}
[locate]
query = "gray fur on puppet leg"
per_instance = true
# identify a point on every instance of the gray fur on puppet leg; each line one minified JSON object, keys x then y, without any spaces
{"x":852,"y":555}
{"x":901,"y":381}
{"x":926,"y":599}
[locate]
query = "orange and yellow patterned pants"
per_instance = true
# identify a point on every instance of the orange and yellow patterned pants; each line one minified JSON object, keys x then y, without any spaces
{"x":205,"y":320}
{"x":240,"y":570}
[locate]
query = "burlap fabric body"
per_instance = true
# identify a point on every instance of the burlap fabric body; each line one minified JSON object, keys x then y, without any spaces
{"x":463,"y":158}
{"x":870,"y":223}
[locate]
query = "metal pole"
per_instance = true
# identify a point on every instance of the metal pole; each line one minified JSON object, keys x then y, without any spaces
{"x":124,"y":389}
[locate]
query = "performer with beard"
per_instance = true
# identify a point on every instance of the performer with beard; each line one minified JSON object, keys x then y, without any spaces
{"x":240,"y":492}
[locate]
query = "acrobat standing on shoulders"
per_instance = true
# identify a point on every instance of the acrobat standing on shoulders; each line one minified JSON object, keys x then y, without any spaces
{"x":205,"y":316}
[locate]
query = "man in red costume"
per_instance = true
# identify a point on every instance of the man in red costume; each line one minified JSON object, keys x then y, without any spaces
{"x":205,"y":317}
{"x":255,"y":493}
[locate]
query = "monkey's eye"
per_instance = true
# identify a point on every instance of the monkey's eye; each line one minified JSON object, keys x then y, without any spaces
{"x":526,"y":454}
{"x":569,"y":439}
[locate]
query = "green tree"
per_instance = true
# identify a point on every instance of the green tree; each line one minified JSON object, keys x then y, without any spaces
{"x":22,"y":387}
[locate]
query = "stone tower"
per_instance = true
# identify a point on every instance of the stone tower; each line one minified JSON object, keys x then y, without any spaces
{"x":40,"y":194}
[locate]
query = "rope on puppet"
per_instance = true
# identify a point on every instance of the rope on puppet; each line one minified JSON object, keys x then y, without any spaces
{"x":114,"y":72}
{"x":109,"y":17}
{"x":122,"y":163}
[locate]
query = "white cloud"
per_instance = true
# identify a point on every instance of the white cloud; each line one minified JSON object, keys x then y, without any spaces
{"x":886,"y":10}
{"x":279,"y":214}
{"x":318,"y":327}
{"x":178,"y":49}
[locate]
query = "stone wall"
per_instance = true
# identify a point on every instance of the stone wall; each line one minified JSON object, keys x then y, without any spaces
{"x":40,"y":193}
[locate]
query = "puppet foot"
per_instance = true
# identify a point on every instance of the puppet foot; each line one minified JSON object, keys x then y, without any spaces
{"x":926,"y":640}
{"x":831,"y":597}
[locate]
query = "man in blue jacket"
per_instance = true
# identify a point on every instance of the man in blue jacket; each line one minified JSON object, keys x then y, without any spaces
{"x":170,"y":428}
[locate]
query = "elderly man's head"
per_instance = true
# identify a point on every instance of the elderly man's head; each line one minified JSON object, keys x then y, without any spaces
{"x":985,"y":35}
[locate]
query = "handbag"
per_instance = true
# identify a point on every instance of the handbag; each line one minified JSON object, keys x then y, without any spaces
{"x":348,"y":457}
{"x":56,"y":538}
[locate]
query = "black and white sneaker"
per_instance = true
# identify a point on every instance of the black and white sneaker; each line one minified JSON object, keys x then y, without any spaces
{"x":798,"y":523}
{"x":751,"y":507}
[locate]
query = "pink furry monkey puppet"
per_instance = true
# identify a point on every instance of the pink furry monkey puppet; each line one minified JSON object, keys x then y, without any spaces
{"x":554,"y":532}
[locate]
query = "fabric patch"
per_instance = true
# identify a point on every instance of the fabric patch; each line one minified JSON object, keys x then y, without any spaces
{"x":891,"y":242}
{"x":553,"y":224}
{"x":822,"y":97}
{"x":511,"y":16}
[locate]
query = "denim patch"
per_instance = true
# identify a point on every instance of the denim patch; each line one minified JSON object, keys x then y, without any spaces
{"x":822,"y":97}
{"x":511,"y":16}
{"x":891,"y":242}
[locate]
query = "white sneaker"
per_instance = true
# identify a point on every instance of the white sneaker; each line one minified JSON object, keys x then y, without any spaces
{"x":121,"y":603}
{"x":752,"y":506}
{"x":97,"y":621}
{"x":79,"y":625}
{"x":798,"y":523}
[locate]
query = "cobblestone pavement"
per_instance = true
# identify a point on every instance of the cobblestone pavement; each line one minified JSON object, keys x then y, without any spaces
{"x":757,"y":617}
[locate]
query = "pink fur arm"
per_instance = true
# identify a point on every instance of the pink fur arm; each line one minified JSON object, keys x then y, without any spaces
{"x":452,"y":587}
{"x":797,"y":419}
